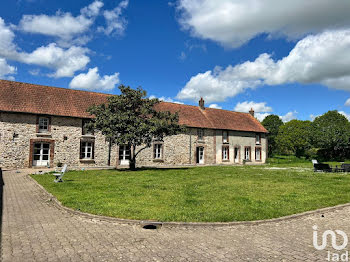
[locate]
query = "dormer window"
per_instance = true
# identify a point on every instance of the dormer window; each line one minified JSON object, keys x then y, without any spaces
{"x":224,"y":137}
{"x":258,"y":139}
{"x":43,"y":123}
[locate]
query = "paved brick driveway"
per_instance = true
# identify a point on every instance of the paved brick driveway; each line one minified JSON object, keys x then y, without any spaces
{"x":33,"y":229}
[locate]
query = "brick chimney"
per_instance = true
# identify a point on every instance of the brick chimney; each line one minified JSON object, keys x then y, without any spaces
{"x":251,"y":112}
{"x":201,"y":103}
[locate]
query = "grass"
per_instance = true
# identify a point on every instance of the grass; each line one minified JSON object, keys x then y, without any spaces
{"x":210,"y":194}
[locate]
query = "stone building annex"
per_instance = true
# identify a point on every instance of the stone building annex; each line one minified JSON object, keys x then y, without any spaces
{"x":43,"y":126}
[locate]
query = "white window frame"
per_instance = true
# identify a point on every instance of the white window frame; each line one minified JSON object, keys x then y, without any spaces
{"x":200,"y":133}
{"x":86,"y":149}
{"x":247,"y":153}
{"x":43,"y":122}
{"x":258,"y":149}
{"x":225,"y":153}
{"x":224,"y":137}
{"x":158,"y":151}
{"x":258,"y":139}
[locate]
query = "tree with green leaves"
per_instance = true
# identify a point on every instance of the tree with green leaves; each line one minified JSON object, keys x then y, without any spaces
{"x":272,"y":123}
{"x":294,"y":137}
{"x":131,"y":119}
{"x":331,"y":133}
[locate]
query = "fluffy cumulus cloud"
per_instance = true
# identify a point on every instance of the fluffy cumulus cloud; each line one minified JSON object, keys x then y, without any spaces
{"x":312,"y":117}
{"x":93,"y":81}
{"x":323,"y":58}
{"x":115,"y":23}
{"x":65,"y":26}
{"x":235,"y":22}
{"x":166,"y":99}
{"x":216,"y":106}
{"x":6,"y":70}
{"x":347,"y":115}
{"x":261,"y":116}
{"x":257,"y":107}
{"x":347,"y":103}
{"x":289,"y":116}
{"x":64,"y":61}
{"x":261,"y":109}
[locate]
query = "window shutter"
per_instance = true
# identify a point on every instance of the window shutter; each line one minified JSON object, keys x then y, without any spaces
{"x":93,"y":149}
{"x":222,"y":153}
{"x":81,"y":149}
{"x":228,"y":153}
{"x":49,"y":124}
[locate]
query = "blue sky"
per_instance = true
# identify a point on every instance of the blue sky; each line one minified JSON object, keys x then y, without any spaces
{"x":290,"y":58}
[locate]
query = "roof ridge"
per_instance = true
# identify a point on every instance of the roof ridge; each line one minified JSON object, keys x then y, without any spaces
{"x":55,"y":87}
{"x":27,"y":97}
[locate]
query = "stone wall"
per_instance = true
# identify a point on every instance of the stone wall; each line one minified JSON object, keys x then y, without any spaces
{"x":19,"y":131}
{"x":240,"y":140}
{"x":181,"y":149}
{"x":16,"y":131}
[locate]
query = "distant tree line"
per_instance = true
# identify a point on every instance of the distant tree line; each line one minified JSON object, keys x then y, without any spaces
{"x":325,"y":138}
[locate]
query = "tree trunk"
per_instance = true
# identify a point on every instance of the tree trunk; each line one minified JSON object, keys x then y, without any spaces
{"x":109,"y":151}
{"x":132,"y":164}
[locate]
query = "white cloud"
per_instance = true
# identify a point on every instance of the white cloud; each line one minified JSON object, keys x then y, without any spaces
{"x":257,"y":107}
{"x":261,"y":116}
{"x":6,"y":70}
{"x":289,"y":116}
{"x":261,"y":109}
{"x":34,"y":72}
{"x":165,"y":99}
{"x":322,"y":58}
{"x":65,"y":62}
{"x":116,"y":24}
{"x":215,"y":106}
{"x":312,"y":117}
{"x":93,"y":81}
{"x":65,"y":26}
{"x":235,"y":22}
{"x":345,"y":114}
{"x":347,"y":103}
{"x":93,"y":9}
{"x":183,"y":56}
{"x":7,"y":47}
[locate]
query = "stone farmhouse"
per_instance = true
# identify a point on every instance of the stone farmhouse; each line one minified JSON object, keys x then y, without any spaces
{"x":43,"y":126}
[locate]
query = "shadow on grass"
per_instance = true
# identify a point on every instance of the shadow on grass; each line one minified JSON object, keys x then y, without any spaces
{"x":153,"y":169}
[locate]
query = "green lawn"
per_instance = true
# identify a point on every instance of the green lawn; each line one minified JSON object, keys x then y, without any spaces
{"x":231,"y":193}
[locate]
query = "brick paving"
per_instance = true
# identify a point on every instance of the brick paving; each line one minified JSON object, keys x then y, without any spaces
{"x":34,"y":229}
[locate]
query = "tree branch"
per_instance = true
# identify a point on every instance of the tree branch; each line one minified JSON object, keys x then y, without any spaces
{"x":142,"y":150}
